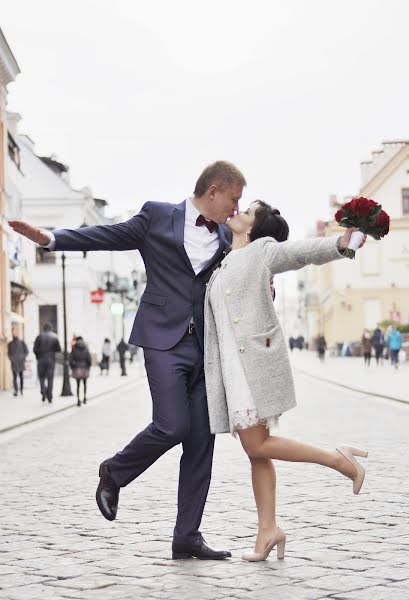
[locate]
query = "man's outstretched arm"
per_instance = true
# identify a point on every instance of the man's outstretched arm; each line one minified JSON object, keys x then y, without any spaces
{"x":128,"y":235}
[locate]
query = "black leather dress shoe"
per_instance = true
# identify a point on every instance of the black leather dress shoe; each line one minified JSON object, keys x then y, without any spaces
{"x":197,"y":548}
{"x":107,"y":493}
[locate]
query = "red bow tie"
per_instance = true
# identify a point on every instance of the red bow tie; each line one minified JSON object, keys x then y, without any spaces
{"x":211,"y":225}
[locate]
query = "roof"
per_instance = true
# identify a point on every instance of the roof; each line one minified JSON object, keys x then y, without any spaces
{"x":9,"y":68}
{"x":39,"y":180}
{"x":383,"y":163}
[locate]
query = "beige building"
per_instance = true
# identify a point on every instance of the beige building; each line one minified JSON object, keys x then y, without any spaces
{"x":8,"y":72}
{"x":341,"y":298}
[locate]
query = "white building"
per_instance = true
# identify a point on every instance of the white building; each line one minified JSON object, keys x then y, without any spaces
{"x":8,"y":72}
{"x":49,"y":201}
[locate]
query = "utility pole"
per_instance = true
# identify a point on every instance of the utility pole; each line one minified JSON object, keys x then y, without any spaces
{"x":66,"y":386}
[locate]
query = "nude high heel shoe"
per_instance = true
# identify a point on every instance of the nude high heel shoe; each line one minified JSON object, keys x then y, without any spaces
{"x":278,"y":540}
{"x":350,"y":454}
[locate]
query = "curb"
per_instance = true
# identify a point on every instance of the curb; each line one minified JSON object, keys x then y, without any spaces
{"x":60,"y":410}
{"x":350,"y":387}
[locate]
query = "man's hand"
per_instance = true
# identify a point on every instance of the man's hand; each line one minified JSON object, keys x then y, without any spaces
{"x":39,"y":236}
{"x":344,"y":240}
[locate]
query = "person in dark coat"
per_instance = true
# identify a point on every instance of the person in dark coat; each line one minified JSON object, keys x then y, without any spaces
{"x":122,"y":349}
{"x":46,"y":346}
{"x":367,"y":346}
{"x":80,"y":363}
{"x":378,"y":341}
{"x":17,"y":352}
{"x":321,"y":347}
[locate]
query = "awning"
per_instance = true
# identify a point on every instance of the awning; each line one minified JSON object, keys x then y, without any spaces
{"x":16,"y":318}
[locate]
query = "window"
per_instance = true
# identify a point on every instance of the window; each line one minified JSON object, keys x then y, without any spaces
{"x":14,"y":150}
{"x":47,"y":313}
{"x":370,"y":259}
{"x":405,"y":201}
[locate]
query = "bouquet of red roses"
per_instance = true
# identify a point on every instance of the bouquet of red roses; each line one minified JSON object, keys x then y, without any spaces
{"x":365,"y":214}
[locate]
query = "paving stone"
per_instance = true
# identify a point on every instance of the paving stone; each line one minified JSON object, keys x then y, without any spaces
{"x":54,"y":544}
{"x":379,"y":592}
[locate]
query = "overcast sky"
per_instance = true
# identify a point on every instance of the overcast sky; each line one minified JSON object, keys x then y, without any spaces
{"x":138,"y":97}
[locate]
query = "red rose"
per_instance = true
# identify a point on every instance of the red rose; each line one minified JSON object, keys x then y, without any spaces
{"x":382,"y":220}
{"x":339,"y":215}
{"x":363,"y":207}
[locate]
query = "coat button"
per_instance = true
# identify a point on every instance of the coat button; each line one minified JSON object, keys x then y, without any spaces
{"x":242,"y":349}
{"x":236,"y":320}
{"x":228,"y":292}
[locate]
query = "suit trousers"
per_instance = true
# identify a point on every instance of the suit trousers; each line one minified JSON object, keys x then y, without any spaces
{"x":45,"y":370}
{"x":180,"y":415}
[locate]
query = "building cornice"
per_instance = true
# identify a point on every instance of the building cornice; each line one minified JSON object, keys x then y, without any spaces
{"x":9,"y":68}
{"x":379,"y":179}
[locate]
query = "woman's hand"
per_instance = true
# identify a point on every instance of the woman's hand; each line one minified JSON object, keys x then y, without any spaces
{"x":345,"y":239}
{"x":34,"y":234}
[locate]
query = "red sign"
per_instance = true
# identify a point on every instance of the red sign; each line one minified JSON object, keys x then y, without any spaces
{"x":97,"y":296}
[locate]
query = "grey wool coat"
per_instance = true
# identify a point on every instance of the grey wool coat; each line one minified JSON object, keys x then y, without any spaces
{"x":246,"y":277}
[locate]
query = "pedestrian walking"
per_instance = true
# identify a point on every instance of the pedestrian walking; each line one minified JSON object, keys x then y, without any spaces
{"x":122,"y":349}
{"x":394,"y":344}
{"x":378,"y":341}
{"x":248,"y":373}
{"x":80,"y":363}
{"x":17,"y":353}
{"x":367,"y":346}
{"x":181,"y":244}
{"x":321,"y":347}
{"x":106,"y":356}
{"x":46,"y":346}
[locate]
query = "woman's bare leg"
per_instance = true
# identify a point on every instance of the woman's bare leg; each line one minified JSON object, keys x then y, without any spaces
{"x":257,"y":445}
{"x":263,"y":477}
{"x":261,"y":447}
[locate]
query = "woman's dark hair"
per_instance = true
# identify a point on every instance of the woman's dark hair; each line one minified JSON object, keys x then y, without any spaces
{"x":268,"y":222}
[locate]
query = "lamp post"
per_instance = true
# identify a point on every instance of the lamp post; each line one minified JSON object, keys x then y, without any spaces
{"x":66,"y":386}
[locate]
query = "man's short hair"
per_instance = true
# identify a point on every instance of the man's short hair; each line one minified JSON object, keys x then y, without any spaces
{"x":221,"y":173}
{"x":47,"y":327}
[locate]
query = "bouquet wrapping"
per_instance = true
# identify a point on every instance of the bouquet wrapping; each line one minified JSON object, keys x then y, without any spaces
{"x":365,"y":214}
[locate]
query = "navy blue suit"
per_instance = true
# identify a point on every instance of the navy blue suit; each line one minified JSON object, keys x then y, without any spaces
{"x":173,"y":358}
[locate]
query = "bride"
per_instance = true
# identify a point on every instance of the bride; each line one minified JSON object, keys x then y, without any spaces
{"x":248,"y":375}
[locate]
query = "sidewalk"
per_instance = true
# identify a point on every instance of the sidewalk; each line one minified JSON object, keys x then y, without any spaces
{"x":20,"y":410}
{"x":351,"y":373}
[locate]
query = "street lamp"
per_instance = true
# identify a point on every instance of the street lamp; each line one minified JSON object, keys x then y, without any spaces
{"x":66,"y":386}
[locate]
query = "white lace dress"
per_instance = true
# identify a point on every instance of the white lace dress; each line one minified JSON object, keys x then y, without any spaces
{"x":240,"y":404}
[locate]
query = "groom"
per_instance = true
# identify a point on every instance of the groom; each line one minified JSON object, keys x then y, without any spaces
{"x":180,"y":244}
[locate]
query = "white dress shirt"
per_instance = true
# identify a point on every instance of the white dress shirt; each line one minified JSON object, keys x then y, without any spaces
{"x":200,"y":244}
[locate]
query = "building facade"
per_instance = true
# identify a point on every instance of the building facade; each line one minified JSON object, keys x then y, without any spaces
{"x":8,"y":72}
{"x":342,"y":298}
{"x":50,"y":202}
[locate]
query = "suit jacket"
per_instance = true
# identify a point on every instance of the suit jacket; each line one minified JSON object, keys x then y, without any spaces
{"x":174,"y":293}
{"x":246,"y":276}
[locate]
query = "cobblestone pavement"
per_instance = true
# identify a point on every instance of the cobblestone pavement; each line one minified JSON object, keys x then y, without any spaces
{"x":55,"y":544}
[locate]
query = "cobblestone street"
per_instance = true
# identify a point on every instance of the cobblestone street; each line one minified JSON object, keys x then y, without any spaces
{"x":55,"y":544}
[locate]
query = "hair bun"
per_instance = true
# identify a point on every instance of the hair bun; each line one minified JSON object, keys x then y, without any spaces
{"x":275,"y":211}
